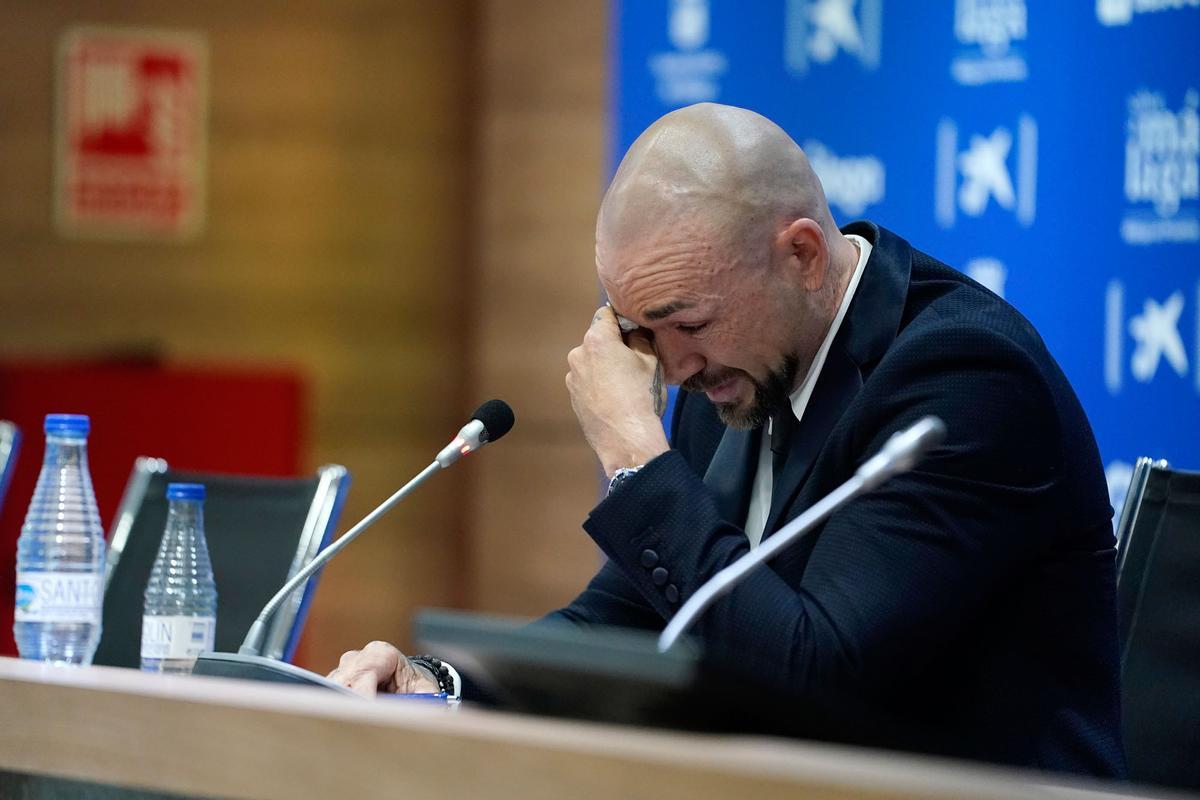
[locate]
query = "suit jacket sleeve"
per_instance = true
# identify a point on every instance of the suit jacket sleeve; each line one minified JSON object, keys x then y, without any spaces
{"x":867,"y":600}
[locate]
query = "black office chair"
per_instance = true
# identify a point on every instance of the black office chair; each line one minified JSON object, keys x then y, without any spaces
{"x":10,"y":445}
{"x":1158,"y":606}
{"x":260,"y":531}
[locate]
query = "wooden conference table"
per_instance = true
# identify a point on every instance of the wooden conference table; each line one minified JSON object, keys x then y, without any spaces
{"x":68,"y":732}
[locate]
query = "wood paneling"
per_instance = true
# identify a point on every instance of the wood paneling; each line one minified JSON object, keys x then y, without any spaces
{"x":337,"y":163}
{"x":401,"y":199}
{"x":539,"y":159}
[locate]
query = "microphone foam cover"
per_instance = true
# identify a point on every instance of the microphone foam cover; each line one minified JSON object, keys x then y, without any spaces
{"x":497,"y":418}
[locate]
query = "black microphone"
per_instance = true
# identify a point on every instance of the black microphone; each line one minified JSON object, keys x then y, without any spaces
{"x":899,"y":453}
{"x":490,"y":421}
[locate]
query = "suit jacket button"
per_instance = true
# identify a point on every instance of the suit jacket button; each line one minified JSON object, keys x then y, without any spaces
{"x":649,"y":558}
{"x":672,"y":593}
{"x":659,"y":576}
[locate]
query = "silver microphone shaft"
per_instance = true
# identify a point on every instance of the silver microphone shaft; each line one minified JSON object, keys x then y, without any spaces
{"x":899,"y":454}
{"x":491,"y":421}
{"x":254,"y":637}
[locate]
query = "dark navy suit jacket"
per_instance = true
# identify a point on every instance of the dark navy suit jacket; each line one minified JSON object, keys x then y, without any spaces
{"x":970,"y":601}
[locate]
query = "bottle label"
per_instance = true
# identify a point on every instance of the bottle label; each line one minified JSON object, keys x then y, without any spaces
{"x":177,"y":637}
{"x":59,"y":597}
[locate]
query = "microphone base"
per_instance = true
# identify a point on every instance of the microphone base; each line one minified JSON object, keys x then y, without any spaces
{"x":262,"y":669}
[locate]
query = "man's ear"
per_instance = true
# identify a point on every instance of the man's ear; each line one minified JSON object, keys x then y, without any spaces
{"x":803,"y":242}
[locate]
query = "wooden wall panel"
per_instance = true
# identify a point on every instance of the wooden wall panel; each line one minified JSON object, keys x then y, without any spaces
{"x":338,"y":156}
{"x":401,"y":198}
{"x":539,"y":160}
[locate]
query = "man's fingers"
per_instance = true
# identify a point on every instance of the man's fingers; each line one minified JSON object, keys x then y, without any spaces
{"x":640,"y":341}
{"x":364,"y":671}
{"x":364,"y":683}
{"x":347,"y":659}
{"x":381,"y":658}
{"x":604,"y":322}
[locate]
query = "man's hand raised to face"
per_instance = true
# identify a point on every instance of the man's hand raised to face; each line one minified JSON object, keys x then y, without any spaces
{"x":380,"y":667}
{"x":615,"y":386}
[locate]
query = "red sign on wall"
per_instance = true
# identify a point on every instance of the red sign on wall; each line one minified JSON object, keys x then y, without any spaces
{"x":131,"y":133}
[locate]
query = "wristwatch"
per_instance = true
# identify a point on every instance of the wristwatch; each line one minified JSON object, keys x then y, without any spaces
{"x":621,"y":475}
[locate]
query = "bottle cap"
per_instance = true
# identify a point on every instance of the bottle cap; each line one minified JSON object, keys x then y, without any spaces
{"x":72,"y":425}
{"x":185,"y":491}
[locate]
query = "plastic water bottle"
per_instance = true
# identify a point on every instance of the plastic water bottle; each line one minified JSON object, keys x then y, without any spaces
{"x":60,"y":553}
{"x":180,"y":617}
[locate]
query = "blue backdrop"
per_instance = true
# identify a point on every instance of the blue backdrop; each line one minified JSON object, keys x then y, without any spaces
{"x":1050,"y":149}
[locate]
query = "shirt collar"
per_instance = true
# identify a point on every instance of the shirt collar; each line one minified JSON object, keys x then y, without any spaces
{"x":799,"y":398}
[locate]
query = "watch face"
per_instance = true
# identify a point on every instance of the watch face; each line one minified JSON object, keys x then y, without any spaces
{"x":620,"y":476}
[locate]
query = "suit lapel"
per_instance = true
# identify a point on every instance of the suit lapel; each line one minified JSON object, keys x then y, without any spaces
{"x":730,"y":472}
{"x":839,"y":382}
{"x":868,"y":330}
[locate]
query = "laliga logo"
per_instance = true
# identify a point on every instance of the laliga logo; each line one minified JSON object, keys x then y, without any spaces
{"x":1120,"y":12}
{"x":690,"y":72}
{"x":1162,"y":167}
{"x":1162,"y":152}
{"x":817,"y":30}
{"x":1156,"y":335}
{"x":983,"y":167}
{"x":991,"y":26}
{"x":850,"y":183}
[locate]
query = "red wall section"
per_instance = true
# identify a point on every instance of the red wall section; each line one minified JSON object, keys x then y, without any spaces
{"x":243,"y":420}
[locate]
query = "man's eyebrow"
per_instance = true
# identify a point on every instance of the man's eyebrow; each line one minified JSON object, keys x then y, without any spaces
{"x":662,"y":312}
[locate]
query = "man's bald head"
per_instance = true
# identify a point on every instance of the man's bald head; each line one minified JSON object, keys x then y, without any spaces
{"x":716,"y":237}
{"x":731,"y":167}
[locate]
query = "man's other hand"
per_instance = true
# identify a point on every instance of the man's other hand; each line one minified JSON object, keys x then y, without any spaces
{"x":614,"y":387}
{"x":380,"y":667}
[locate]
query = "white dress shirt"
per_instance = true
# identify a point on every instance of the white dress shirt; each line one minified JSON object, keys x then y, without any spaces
{"x":764,"y":475}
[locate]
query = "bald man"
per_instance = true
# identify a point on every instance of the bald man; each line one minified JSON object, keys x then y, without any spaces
{"x":967,"y":605}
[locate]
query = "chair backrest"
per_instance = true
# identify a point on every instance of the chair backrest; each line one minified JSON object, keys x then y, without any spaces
{"x":1158,"y":604}
{"x":10,"y":445}
{"x":260,"y":531}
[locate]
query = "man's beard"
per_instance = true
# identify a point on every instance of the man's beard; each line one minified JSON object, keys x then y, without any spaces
{"x":769,"y":395}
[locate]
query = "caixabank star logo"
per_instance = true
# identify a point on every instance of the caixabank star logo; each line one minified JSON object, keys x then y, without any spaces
{"x":997,"y":169}
{"x":1148,"y":341}
{"x":820,"y":32}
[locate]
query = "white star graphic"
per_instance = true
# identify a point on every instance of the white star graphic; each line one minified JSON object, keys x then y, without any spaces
{"x":835,"y":27}
{"x":1156,"y":331}
{"x":985,"y":174}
